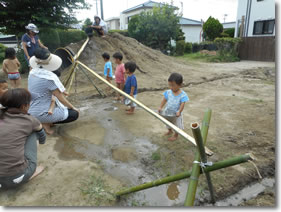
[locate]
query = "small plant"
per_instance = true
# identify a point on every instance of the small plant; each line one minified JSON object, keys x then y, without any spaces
{"x":188,"y":48}
{"x":96,"y":190}
{"x":23,"y":64}
{"x":156,"y":156}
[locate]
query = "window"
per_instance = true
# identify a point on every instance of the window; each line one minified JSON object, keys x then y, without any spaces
{"x":264,"y":27}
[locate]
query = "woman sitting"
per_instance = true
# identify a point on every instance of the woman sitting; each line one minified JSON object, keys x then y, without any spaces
{"x":18,"y":146}
{"x":43,"y":84}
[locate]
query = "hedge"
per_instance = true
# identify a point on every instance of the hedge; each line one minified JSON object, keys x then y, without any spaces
{"x":180,"y":47}
{"x":122,"y":32}
{"x":50,"y":38}
{"x":228,"y":47}
{"x":188,"y":47}
{"x":2,"y":52}
{"x":23,"y":64}
{"x":71,"y":36}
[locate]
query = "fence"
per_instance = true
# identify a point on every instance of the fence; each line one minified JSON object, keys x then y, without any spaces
{"x":257,"y":48}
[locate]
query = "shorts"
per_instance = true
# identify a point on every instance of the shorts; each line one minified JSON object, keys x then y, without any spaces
{"x":178,"y":121}
{"x":14,"y":76}
{"x":128,"y":102}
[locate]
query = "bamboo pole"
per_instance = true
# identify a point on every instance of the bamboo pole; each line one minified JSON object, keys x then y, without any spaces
{"x":195,"y":173}
{"x":72,"y":78}
{"x":76,"y":56}
{"x":200,"y":145}
{"x":156,"y":115}
{"x":216,"y":166}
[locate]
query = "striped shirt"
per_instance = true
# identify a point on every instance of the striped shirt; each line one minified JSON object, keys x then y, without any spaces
{"x":41,"y":90}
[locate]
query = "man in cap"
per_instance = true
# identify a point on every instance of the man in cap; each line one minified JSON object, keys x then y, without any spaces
{"x":99,"y":26}
{"x":31,"y":41}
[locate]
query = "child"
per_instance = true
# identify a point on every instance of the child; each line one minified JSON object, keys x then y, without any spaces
{"x":18,"y":146}
{"x":3,"y":89}
{"x":175,"y":99}
{"x":119,"y":72}
{"x":11,"y":67}
{"x":107,"y":67}
{"x":131,"y":86}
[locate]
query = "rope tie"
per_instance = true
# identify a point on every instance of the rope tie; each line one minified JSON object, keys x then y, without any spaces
{"x":203,"y":165}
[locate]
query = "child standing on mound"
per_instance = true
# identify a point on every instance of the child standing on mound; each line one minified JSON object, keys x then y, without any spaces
{"x":11,"y":67}
{"x":131,"y":86}
{"x":119,"y":72}
{"x":175,"y":98}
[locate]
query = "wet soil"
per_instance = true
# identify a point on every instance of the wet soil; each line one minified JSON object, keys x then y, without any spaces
{"x":123,"y":151}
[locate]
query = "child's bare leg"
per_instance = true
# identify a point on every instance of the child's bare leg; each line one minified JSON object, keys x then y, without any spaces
{"x":13,"y":85}
{"x":131,"y":111}
{"x":174,"y":137}
{"x":47,"y":128}
{"x":170,"y":132}
{"x":39,"y":170}
{"x":17,"y":82}
{"x":117,"y":94}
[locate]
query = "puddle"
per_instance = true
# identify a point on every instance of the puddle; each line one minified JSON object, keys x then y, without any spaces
{"x":173,"y":191}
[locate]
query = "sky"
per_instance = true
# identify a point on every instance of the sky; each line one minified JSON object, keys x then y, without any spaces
{"x":193,"y":9}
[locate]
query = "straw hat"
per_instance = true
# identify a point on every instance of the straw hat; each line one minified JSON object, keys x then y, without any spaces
{"x":44,"y":59}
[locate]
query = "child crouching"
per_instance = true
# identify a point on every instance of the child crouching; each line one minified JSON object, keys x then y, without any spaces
{"x":175,"y":98}
{"x":131,"y":86}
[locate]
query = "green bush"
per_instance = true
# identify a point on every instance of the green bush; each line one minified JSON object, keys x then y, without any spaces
{"x":23,"y":64}
{"x":50,"y":38}
{"x":196,"y":47}
{"x":224,"y":35}
{"x":188,"y":47}
{"x":71,"y":36}
{"x":180,"y":47}
{"x":212,"y":28}
{"x":208,"y":45}
{"x":228,"y":47}
{"x":2,"y":52}
{"x":122,"y":32}
{"x":230,"y":32}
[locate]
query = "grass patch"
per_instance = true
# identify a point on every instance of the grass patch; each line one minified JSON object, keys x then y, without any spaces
{"x":96,"y":190}
{"x":156,"y":156}
{"x":209,"y":58}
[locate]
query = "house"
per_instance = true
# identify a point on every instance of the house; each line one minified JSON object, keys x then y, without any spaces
{"x":229,"y":25}
{"x":113,"y":23}
{"x":255,"y":18}
{"x":192,"y":29}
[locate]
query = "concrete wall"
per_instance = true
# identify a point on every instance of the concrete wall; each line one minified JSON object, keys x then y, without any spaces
{"x":124,"y":17}
{"x":191,"y":33}
{"x":113,"y":24}
{"x":260,"y":10}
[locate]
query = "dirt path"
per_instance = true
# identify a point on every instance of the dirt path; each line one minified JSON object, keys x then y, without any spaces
{"x":106,"y":150}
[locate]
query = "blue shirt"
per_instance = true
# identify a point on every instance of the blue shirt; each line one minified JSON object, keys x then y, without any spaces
{"x":107,"y":66}
{"x":174,"y":102}
{"x":131,"y":82}
{"x":30,"y":46}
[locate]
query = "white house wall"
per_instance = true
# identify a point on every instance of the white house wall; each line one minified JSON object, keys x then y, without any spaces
{"x":124,"y":17}
{"x":262,"y":10}
{"x":191,"y":33}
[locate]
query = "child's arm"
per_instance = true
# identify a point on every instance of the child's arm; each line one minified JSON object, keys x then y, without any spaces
{"x":180,"y":110}
{"x":132,"y":91}
{"x":4,"y":69}
{"x":164,"y":101}
{"x":40,"y":134}
{"x":18,"y":62}
{"x":52,"y":106}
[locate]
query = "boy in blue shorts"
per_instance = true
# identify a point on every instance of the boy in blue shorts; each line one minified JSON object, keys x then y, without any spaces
{"x":175,"y":98}
{"x":131,"y":86}
{"x":107,"y":67}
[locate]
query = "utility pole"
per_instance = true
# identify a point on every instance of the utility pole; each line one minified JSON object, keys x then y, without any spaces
{"x":101,"y":9}
{"x":97,"y":9}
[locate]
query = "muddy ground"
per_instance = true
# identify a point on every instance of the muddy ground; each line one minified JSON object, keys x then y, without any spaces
{"x":106,"y":150}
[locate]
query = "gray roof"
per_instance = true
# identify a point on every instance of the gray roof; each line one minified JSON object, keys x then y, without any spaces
{"x":187,"y":21}
{"x":148,"y":4}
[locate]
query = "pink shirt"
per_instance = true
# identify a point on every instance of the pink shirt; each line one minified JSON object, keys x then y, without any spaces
{"x":120,"y":73}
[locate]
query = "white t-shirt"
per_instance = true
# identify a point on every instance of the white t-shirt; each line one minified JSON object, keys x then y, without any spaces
{"x":102,"y":24}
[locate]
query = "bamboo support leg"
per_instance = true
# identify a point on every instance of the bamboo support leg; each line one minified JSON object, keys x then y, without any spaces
{"x":200,"y":145}
{"x":216,"y":166}
{"x":193,"y":181}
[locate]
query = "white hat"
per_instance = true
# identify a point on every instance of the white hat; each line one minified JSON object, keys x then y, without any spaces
{"x":32,"y":27}
{"x":44,"y":59}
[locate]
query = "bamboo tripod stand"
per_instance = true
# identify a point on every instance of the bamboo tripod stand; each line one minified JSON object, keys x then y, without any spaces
{"x":200,"y":165}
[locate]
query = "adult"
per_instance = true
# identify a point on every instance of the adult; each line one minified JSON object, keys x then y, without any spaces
{"x":30,"y":42}
{"x":99,"y":26}
{"x":43,"y":85}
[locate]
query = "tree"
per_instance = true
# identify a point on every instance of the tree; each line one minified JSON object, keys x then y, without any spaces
{"x":155,"y":28}
{"x":86,"y":23}
{"x":16,"y":14}
{"x":212,"y":28}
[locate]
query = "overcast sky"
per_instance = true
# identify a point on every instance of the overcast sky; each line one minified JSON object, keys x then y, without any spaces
{"x":193,"y":9}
